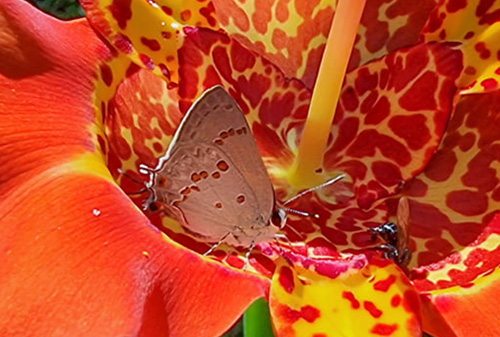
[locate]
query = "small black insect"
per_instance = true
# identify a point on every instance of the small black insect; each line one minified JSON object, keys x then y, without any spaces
{"x":397,"y":236}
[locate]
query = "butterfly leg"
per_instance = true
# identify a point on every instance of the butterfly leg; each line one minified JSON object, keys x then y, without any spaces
{"x":247,"y":256}
{"x":216,"y":245}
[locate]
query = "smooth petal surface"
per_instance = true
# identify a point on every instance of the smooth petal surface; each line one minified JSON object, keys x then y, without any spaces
{"x":376,"y":299}
{"x":78,"y":258}
{"x":292,"y":34}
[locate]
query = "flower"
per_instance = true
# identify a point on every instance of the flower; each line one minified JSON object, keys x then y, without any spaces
{"x":107,"y":111}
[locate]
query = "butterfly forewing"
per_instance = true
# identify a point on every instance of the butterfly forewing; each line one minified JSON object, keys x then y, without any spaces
{"x":214,"y":174}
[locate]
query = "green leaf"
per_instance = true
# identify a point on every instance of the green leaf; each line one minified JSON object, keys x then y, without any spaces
{"x":257,"y":320}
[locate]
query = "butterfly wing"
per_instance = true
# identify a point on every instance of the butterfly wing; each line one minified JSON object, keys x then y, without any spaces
{"x":214,"y":174}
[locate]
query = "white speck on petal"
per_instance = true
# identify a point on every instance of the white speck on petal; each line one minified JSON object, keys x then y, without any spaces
{"x":96,"y":212}
{"x":174,"y":25}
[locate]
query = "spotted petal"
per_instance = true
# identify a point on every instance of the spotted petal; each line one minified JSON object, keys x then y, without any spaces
{"x":476,"y":25}
{"x":148,"y":31}
{"x":454,"y":216}
{"x":292,"y":34}
{"x":372,"y":301}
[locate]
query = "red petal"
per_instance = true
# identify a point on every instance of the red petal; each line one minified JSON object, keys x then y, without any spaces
{"x":293,"y":35}
{"x":455,"y":200}
{"x":464,"y":311}
{"x":392,"y":115}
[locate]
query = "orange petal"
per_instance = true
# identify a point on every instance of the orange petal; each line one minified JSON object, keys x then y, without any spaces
{"x":374,"y":299}
{"x":81,"y":260}
{"x":467,"y":311}
{"x":78,"y":258}
{"x":46,"y":74}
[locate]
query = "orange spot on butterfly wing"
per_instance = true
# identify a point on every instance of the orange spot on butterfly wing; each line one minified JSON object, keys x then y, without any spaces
{"x":195,"y":177}
{"x":240,"y":199}
{"x":223,"y":166}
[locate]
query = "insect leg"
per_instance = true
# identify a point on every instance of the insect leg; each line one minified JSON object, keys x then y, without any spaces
{"x":247,"y":256}
{"x":217,"y":244}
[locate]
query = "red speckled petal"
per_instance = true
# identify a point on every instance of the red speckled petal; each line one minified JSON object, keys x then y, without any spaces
{"x":292,"y":34}
{"x":374,"y":300}
{"x":78,"y":258}
{"x":149,"y":32}
{"x":390,"y":120}
{"x":454,"y":202}
{"x":391,"y":117}
{"x":463,"y":311}
{"x":476,"y":24}
{"x":273,"y":104}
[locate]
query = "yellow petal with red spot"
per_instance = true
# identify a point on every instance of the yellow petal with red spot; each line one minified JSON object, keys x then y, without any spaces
{"x":477,"y":25}
{"x":454,"y":202}
{"x":199,"y":13}
{"x":292,"y":34}
{"x":376,"y":300}
{"x":144,"y":30}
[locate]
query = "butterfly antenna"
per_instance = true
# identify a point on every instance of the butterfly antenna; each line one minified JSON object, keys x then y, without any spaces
{"x":119,"y":170}
{"x":328,"y":182}
{"x":306,"y":214}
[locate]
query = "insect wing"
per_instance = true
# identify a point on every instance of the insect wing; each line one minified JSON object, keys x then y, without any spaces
{"x":403,"y":216}
{"x":216,"y":118}
{"x":213,"y":170}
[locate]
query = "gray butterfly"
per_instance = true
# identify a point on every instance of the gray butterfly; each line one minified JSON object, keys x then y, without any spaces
{"x":213,"y":179}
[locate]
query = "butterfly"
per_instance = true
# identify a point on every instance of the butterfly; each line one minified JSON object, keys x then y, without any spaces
{"x":397,"y":235}
{"x":213,"y":180}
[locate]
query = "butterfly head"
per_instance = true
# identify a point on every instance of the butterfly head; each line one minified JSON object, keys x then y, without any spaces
{"x":278,"y":218}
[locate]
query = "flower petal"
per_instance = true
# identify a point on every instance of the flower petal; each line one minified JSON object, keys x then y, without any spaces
{"x":392,"y":115}
{"x":476,"y":24}
{"x":81,"y":260}
{"x":143,"y":30}
{"x":455,"y":201}
{"x":78,"y":258}
{"x":48,"y":71}
{"x":375,"y":300}
{"x":292,"y":34}
{"x":466,"y":311}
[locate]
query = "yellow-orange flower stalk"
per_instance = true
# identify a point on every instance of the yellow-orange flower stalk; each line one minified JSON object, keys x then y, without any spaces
{"x":303,"y":173}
